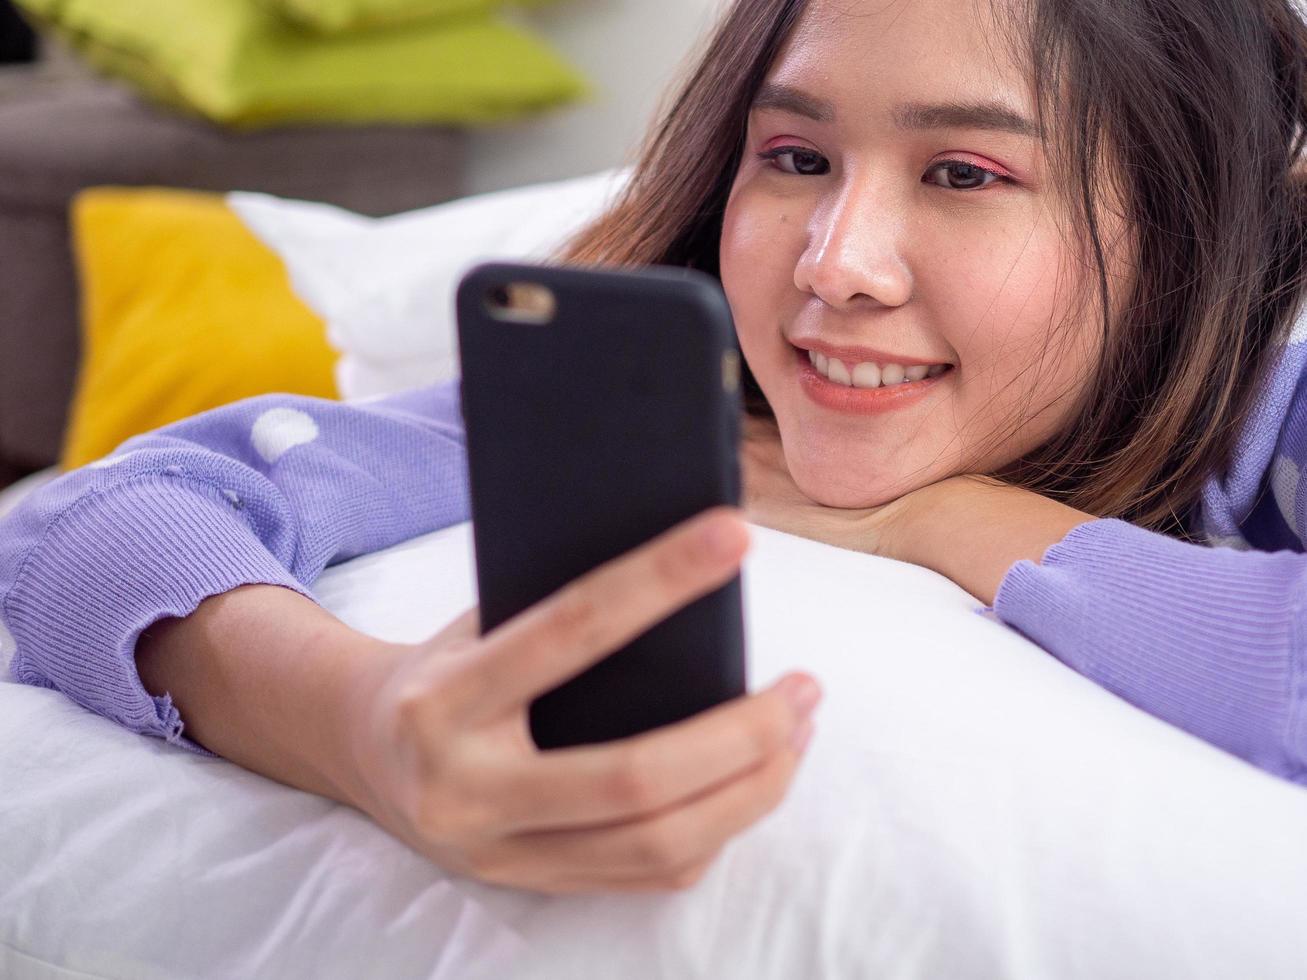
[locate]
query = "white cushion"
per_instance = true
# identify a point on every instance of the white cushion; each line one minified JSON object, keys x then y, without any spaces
{"x":968,"y":808}
{"x":385,"y":286}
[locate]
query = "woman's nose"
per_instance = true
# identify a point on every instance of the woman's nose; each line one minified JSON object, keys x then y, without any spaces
{"x":853,"y":256}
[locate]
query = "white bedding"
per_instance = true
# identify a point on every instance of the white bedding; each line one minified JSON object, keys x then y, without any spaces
{"x":968,"y":808}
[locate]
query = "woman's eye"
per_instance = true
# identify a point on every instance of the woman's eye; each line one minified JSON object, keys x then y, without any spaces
{"x":957,"y":176}
{"x":797,"y":160}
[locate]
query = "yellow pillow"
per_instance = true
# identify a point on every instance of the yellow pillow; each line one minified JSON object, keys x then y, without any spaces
{"x":183,"y":309}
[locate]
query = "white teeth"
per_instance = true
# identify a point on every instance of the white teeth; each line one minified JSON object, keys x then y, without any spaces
{"x":866,"y":375}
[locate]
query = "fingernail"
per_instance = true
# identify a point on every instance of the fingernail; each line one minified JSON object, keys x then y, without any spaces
{"x":803,"y":693}
{"x":802,"y":736}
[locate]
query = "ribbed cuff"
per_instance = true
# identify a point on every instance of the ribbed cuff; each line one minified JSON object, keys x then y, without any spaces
{"x":109,"y":567}
{"x":1209,"y":639}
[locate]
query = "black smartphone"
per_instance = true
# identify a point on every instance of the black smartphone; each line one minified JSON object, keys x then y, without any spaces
{"x":602,"y":407}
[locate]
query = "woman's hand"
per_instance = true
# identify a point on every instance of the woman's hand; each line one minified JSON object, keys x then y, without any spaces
{"x":443,"y":757}
{"x":970,"y":527}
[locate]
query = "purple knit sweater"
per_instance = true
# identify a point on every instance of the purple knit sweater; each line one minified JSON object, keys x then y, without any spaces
{"x":276,"y":488}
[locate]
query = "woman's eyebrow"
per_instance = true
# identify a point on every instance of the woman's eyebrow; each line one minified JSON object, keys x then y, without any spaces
{"x":794,"y":100}
{"x":968,"y":115}
{"x":914,"y":115}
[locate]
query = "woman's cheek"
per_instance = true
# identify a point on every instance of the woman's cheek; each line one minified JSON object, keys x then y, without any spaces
{"x":1030,"y":356}
{"x":761,"y":242}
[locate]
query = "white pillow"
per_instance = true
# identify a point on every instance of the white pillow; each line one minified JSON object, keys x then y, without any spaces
{"x":968,"y":808}
{"x":385,"y":286}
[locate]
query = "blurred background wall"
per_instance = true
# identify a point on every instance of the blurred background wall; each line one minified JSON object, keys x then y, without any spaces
{"x":631,"y":50}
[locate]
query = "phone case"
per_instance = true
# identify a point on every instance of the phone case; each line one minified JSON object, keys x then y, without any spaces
{"x":587,"y":436}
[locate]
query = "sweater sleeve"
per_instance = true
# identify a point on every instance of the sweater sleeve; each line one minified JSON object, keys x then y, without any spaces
{"x":269,"y":490}
{"x":1213,"y":640}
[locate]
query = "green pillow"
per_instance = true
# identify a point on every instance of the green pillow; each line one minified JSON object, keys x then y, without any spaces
{"x":238,"y":63}
{"x":330,"y":16}
{"x":333,"y":16}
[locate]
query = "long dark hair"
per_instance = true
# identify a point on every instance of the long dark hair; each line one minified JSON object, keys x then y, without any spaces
{"x":1194,"y":112}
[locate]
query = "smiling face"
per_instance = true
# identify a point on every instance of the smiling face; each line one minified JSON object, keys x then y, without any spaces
{"x":892,"y":211}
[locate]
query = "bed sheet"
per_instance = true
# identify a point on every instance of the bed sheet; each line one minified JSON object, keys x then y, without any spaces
{"x":968,"y":808}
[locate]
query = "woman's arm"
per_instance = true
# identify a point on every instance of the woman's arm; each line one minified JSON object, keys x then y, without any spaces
{"x":1212,"y":640}
{"x":431,"y":739}
{"x":265,"y":678}
{"x":973,"y":529}
{"x":269,"y":491}
{"x":172,"y":582}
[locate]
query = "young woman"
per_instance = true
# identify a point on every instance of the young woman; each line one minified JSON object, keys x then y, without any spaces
{"x":1017,"y":284}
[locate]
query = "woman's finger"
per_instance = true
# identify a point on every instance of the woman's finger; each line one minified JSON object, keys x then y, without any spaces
{"x":466,"y":627}
{"x":677,"y":880}
{"x":659,"y":844}
{"x":593,"y":785}
{"x":600,"y":612}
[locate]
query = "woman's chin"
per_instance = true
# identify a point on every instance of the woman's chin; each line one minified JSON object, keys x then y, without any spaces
{"x":847,"y":489}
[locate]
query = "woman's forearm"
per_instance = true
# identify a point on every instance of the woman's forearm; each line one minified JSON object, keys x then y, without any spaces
{"x":194,"y":510}
{"x":973,"y":529}
{"x":264,"y":677}
{"x":1208,"y":639}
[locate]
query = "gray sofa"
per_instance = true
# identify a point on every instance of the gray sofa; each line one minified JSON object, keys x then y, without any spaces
{"x":62,"y":130}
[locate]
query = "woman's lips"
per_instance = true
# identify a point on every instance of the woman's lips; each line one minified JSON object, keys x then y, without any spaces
{"x":861,"y":401}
